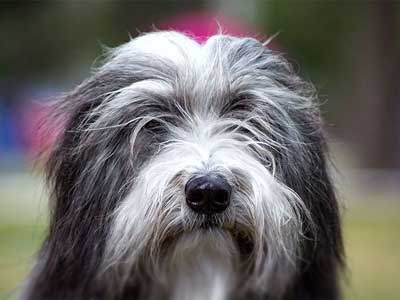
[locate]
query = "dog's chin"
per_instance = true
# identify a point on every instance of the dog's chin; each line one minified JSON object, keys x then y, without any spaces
{"x":202,"y":264}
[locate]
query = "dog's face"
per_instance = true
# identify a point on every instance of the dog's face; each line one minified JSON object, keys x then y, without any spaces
{"x":191,"y":165}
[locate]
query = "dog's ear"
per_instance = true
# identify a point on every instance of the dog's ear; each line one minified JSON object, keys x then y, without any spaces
{"x":304,"y":166}
{"x":289,"y":106}
{"x":322,"y":254}
{"x":92,"y":166}
{"x":87,"y":173}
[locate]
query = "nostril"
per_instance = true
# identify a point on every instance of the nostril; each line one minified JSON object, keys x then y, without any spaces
{"x":221,"y":197}
{"x":195,"y":196}
{"x":208,"y":194}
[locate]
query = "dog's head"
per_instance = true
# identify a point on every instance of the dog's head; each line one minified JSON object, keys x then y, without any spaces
{"x":176,"y":153}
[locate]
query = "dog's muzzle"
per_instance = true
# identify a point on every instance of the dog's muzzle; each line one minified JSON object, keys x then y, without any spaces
{"x":208,"y":194}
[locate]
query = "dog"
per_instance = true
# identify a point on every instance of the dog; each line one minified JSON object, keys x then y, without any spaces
{"x":190,"y":171}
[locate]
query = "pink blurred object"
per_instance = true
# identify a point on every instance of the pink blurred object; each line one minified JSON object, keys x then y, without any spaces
{"x":201,"y":26}
{"x":37,"y":134}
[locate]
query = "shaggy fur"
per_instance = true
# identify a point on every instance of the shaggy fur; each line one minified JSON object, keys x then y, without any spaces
{"x":161,"y":110}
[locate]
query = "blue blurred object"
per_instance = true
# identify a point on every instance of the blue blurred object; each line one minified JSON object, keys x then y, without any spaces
{"x":10,"y":140}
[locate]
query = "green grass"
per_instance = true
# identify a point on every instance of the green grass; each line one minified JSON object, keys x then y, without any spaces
{"x":18,"y":245}
{"x":372,"y":240}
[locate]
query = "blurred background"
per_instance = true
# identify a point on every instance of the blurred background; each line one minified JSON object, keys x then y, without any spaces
{"x":349,"y":49}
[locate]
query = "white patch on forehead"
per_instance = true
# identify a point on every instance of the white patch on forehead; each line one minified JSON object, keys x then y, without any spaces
{"x":166,"y":45}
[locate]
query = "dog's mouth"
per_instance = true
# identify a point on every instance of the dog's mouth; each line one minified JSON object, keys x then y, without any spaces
{"x":242,"y":235}
{"x":209,"y":222}
{"x":243,"y":239}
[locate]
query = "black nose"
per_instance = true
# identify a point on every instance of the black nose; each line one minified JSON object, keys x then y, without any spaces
{"x":208,"y":194}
